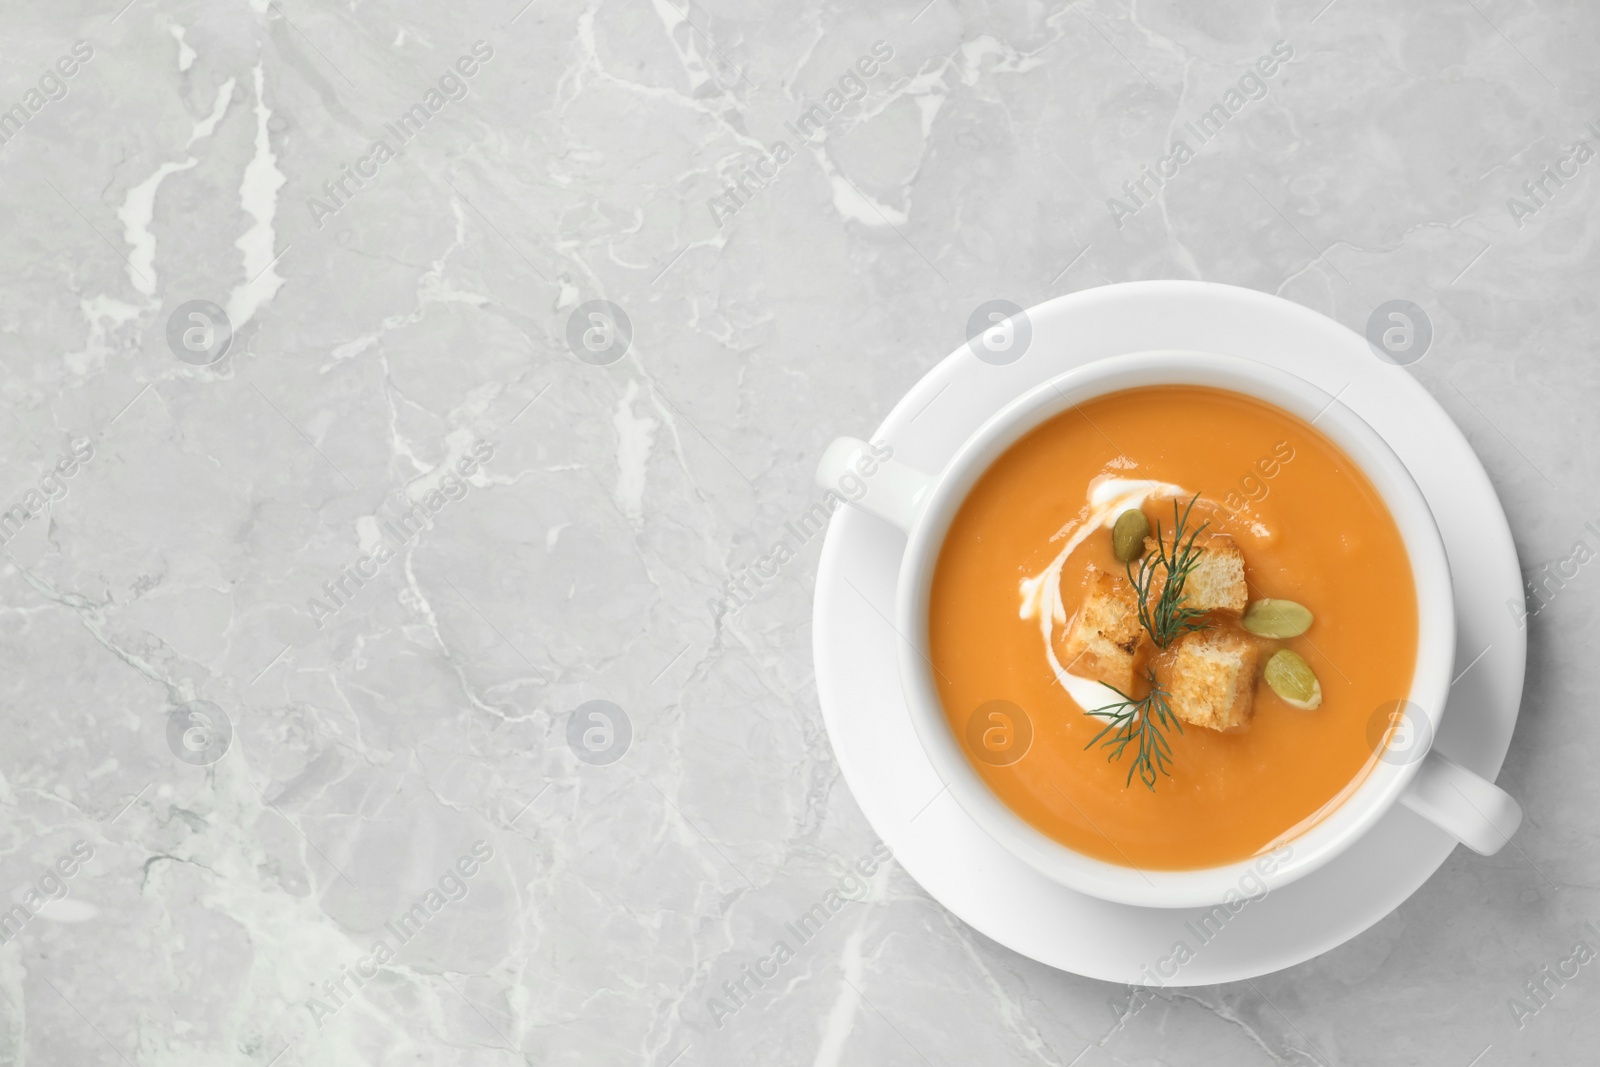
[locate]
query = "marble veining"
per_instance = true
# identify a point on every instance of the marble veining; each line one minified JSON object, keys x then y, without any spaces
{"x":400,"y":663}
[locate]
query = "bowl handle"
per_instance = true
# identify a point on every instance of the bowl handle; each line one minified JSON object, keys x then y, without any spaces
{"x":863,"y":475}
{"x":1474,"y":810}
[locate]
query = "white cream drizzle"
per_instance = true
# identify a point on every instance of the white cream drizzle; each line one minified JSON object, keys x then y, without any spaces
{"x":1041,"y":594}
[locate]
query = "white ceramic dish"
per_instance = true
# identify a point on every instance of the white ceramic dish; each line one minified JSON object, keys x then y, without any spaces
{"x":987,"y":884}
{"x":924,"y":505}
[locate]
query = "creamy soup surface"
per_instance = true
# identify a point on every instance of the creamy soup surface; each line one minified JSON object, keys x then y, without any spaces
{"x":1311,"y":529}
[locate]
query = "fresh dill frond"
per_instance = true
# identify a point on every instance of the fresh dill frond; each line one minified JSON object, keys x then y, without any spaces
{"x":1142,"y":723}
{"x":1158,"y":582}
{"x":1169,"y":618}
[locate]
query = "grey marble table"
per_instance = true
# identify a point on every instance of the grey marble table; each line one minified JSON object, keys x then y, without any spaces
{"x":372,"y":688}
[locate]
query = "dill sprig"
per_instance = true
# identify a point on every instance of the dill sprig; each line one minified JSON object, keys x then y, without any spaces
{"x":1169,"y":618}
{"x":1144,"y":721}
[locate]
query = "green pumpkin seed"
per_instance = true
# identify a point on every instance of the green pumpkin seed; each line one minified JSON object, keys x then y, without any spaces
{"x":1127,"y":536}
{"x":1293,"y":680}
{"x":1276,"y":618}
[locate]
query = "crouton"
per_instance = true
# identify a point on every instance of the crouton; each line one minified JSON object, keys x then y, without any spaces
{"x":1104,"y":635}
{"x":1217,"y":581}
{"x":1212,"y":679}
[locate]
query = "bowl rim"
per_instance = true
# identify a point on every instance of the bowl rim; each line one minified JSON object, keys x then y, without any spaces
{"x":1351,"y":814}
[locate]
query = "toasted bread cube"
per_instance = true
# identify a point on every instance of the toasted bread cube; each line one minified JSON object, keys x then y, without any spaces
{"x":1104,"y":635}
{"x":1212,"y":680}
{"x":1217,"y":581}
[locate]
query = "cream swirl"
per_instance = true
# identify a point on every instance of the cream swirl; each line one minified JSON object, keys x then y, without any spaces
{"x":1041,"y":594}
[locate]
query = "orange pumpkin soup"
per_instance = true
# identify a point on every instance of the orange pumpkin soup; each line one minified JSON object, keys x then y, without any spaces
{"x":1247,"y":764}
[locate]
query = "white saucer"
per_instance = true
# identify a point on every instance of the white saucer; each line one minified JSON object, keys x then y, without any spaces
{"x":1004,"y":898}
